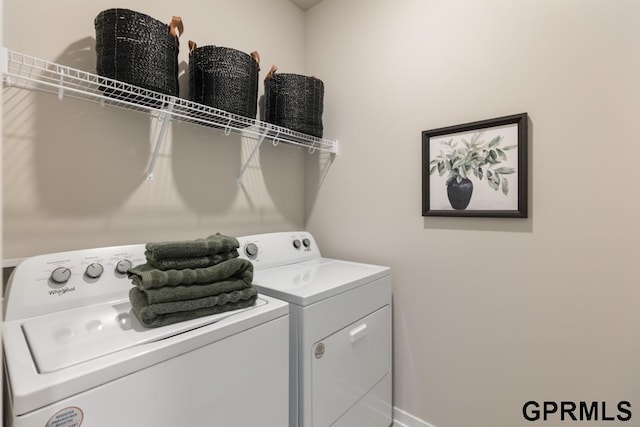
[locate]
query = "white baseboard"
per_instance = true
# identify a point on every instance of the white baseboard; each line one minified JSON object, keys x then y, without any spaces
{"x":405,"y":419}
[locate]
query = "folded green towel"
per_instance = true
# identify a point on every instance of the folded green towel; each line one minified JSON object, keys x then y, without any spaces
{"x":188,"y":292}
{"x":145,"y":276}
{"x":218,"y":243}
{"x":154,"y":315}
{"x":195,"y":262}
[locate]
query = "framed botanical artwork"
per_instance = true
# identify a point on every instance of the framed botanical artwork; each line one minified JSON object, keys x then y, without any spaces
{"x":476,"y":169}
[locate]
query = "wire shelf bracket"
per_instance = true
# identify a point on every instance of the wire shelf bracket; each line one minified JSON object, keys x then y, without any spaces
{"x":164,"y":118}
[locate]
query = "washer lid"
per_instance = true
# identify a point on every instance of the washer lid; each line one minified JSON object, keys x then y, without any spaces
{"x":63,"y":339}
{"x":308,"y":282}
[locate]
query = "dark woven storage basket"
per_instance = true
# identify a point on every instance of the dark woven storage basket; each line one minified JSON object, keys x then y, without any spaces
{"x":294,"y":102}
{"x":137,"y":49}
{"x":224,"y":78}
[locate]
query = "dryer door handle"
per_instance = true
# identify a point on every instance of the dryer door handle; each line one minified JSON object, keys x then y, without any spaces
{"x":358,"y":332}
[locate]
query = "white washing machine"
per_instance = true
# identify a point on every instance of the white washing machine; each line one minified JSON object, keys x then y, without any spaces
{"x":75,"y":354}
{"x":340,"y":314}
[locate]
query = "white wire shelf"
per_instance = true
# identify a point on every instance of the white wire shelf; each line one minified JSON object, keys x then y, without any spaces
{"x":23,"y":71}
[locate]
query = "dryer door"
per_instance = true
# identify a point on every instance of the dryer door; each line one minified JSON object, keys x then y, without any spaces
{"x":348,"y":364}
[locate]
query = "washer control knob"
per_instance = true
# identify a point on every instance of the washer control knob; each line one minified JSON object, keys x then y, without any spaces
{"x":306,"y":243}
{"x":94,"y":270}
{"x":251,"y":249}
{"x":297,"y":244}
{"x":60,"y":275}
{"x":123,"y":266}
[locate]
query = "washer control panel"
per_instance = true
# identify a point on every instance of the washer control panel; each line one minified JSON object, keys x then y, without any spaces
{"x":276,"y":249}
{"x":54,"y":282}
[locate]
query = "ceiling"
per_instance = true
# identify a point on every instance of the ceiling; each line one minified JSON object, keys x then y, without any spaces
{"x":305,"y":4}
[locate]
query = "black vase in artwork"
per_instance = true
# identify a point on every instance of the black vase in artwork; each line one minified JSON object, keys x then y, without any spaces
{"x":459,"y":193}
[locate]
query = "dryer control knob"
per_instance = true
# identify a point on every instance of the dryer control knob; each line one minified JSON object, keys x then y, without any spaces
{"x":94,"y":270}
{"x":123,"y":266}
{"x":306,"y":243}
{"x":251,"y":249}
{"x":296,"y":244}
{"x":60,"y":275}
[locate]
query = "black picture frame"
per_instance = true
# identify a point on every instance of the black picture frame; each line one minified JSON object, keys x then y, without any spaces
{"x":487,"y":158}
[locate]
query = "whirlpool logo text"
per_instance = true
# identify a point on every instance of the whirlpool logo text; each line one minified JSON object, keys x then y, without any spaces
{"x":576,"y":411}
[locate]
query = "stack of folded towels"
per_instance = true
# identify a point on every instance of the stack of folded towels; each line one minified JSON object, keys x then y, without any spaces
{"x":183,"y":280}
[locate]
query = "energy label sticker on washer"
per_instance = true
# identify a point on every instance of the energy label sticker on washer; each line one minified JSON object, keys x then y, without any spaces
{"x":67,"y":417}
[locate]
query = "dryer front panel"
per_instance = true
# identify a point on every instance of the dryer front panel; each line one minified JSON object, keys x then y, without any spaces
{"x":347,"y":365}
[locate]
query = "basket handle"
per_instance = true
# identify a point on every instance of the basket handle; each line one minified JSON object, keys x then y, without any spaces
{"x":271,"y":72}
{"x":192,"y":46}
{"x":176,"y":24}
{"x":256,"y":56}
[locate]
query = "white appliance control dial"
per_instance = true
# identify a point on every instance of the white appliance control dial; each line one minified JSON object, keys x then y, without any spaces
{"x":251,"y":249}
{"x":60,"y":275}
{"x":306,"y":243}
{"x":123,"y":266}
{"x":94,"y":270}
{"x":296,"y":244}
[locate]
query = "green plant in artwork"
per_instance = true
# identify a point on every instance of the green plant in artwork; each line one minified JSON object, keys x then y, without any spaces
{"x":460,"y":159}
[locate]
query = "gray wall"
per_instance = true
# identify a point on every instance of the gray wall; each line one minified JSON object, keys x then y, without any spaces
{"x":74,"y":172}
{"x":489,"y":313}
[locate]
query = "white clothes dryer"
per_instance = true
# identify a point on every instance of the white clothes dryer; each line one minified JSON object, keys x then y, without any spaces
{"x":341,"y":316}
{"x":75,"y":354}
